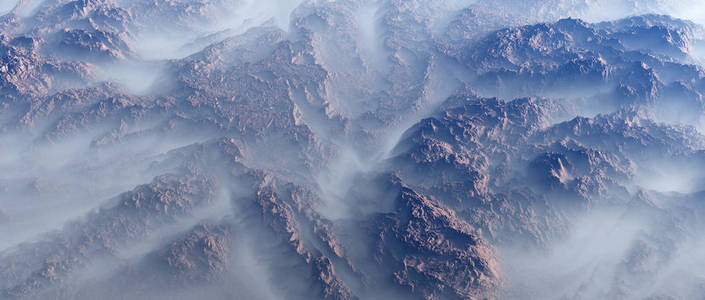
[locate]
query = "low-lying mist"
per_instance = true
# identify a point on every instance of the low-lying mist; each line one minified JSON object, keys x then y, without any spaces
{"x":47,"y":183}
{"x":171,"y":38}
{"x":7,"y":6}
{"x":275,"y":170}
{"x":612,"y":253}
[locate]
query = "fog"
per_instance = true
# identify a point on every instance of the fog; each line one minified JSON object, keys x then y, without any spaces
{"x":368,"y":17}
{"x":46,"y":184}
{"x":138,"y":77}
{"x":173,"y":38}
{"x":7,"y":6}
{"x":23,"y":8}
{"x":670,"y":175}
{"x":350,"y":78}
{"x":583,"y":265}
{"x":602,"y":10}
{"x":610,"y":10}
{"x":618,"y":252}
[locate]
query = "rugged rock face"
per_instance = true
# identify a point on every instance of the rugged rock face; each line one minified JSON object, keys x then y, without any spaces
{"x":533,"y":184}
{"x":179,"y":149}
{"x":26,"y":72}
{"x":449,"y":260}
{"x":600,"y":61}
{"x":33,"y":266}
{"x":200,"y":255}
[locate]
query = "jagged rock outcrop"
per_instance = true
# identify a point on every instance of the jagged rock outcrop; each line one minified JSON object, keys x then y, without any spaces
{"x":448,"y":259}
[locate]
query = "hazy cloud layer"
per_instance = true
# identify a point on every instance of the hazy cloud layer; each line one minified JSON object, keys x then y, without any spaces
{"x":365,"y":146}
